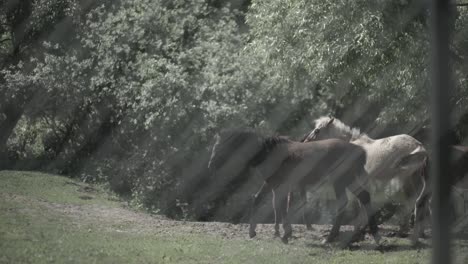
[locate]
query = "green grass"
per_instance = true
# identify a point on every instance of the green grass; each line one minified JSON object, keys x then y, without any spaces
{"x":44,"y":220}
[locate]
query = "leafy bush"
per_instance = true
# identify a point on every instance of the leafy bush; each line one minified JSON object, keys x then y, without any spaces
{"x":134,"y":97}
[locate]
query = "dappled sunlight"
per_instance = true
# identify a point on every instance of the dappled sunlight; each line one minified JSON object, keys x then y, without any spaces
{"x":132,"y":96}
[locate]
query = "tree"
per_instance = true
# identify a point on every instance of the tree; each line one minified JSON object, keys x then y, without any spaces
{"x":24,"y":25}
{"x":362,"y":61}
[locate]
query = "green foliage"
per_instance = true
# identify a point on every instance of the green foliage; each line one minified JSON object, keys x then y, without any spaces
{"x":135,"y":93}
{"x":146,"y":87}
{"x":337,"y":53}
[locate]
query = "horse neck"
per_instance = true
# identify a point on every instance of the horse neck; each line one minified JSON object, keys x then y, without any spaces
{"x":345,"y":134}
{"x":354,"y":134}
{"x":267,"y":145}
{"x":364,"y":138}
{"x":270,"y":143}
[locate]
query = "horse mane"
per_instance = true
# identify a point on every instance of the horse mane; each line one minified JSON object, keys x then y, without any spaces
{"x":268,"y":144}
{"x":304,"y":137}
{"x":272,"y":141}
{"x":353,"y":132}
{"x":237,"y":136}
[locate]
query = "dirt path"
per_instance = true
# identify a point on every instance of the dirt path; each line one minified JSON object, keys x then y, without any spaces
{"x":117,"y":217}
{"x":120,"y":219}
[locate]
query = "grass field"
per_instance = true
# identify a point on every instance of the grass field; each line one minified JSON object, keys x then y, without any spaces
{"x":52,"y":219}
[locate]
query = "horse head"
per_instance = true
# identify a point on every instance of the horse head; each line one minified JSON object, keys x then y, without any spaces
{"x":323,"y":129}
{"x":234,"y":150}
{"x":330,"y":127}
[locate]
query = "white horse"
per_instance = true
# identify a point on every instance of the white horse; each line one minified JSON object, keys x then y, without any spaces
{"x":394,"y":164}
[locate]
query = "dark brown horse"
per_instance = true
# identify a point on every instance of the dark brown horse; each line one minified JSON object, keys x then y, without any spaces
{"x":285,"y":165}
{"x":458,"y":170}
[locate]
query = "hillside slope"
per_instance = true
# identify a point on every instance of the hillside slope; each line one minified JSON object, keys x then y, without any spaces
{"x":52,"y":219}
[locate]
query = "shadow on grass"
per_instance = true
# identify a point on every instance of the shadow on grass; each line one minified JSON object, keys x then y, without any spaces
{"x":383,"y":248}
{"x":366,"y":245}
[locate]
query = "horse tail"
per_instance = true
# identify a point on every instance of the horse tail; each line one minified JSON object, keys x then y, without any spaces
{"x":362,"y":176}
{"x":225,"y":142}
{"x":424,"y":178}
{"x":422,"y":202}
{"x":213,"y":152}
{"x":304,"y":138}
{"x":425,"y":169}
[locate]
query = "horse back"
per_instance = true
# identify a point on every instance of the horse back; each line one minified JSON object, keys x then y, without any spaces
{"x":328,"y":148}
{"x":405,"y":144}
{"x":331,"y":158}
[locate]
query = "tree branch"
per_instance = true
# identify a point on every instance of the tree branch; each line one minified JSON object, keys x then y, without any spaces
{"x":461,"y":4}
{"x":4,"y":40}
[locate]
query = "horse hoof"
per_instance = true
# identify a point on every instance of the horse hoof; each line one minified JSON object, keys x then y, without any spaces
{"x":398,"y":234}
{"x":402,"y":234}
{"x":377,"y":239}
{"x":284,"y":240}
{"x":358,"y":238}
{"x":416,"y":244}
{"x":252,"y":234}
{"x":329,"y":239}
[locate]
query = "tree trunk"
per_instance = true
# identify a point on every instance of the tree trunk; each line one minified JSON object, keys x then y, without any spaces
{"x":12,"y":114}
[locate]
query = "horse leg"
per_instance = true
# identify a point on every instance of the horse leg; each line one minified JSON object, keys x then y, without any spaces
{"x":421,"y":206}
{"x":365,"y":200}
{"x":410,"y":188}
{"x":403,"y":221}
{"x":305,"y":213}
{"x":359,"y":225}
{"x":285,"y":206}
{"x":257,"y":198}
{"x":342,"y":201}
{"x":275,"y":212}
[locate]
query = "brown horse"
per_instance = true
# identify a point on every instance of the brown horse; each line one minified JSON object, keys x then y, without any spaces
{"x":458,"y":169}
{"x":285,"y":165}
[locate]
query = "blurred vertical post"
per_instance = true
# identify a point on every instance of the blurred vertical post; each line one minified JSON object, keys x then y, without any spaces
{"x":441,"y":12}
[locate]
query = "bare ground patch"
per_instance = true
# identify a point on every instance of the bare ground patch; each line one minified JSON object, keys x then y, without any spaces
{"x":120,"y":219}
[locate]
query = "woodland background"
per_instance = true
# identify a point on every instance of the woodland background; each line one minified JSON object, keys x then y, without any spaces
{"x":130,"y":93}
